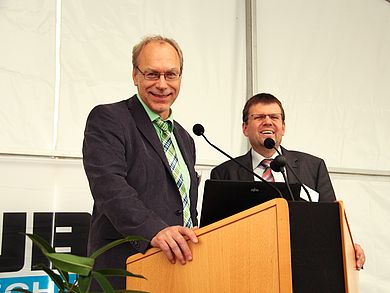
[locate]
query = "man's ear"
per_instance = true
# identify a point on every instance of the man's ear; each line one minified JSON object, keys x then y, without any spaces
{"x":134,"y":75}
{"x":245,"y":128}
{"x":283,"y":128}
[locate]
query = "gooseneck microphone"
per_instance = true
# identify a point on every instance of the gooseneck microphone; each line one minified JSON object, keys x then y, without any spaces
{"x":277,"y":165}
{"x":269,"y":143}
{"x":198,"y":130}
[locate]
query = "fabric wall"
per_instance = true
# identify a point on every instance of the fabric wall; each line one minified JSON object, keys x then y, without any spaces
{"x":94,"y":40}
{"x":27,"y":75}
{"x":327,"y":61}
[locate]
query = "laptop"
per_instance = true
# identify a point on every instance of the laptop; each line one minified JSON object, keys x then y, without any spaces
{"x":222,"y":198}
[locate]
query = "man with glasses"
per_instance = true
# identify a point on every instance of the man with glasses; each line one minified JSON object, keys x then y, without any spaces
{"x":140,"y":164}
{"x":263,"y":117}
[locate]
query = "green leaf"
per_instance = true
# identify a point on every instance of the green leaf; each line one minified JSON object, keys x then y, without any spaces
{"x":84,"y":283}
{"x":115,"y":243}
{"x":64,"y":275}
{"x":73,"y":288}
{"x":56,"y":278}
{"x":72,"y":263}
{"x":43,"y":245}
{"x":119,"y":272}
{"x":103,"y":282}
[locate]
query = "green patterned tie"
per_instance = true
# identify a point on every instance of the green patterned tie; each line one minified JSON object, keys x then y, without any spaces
{"x":174,"y":165}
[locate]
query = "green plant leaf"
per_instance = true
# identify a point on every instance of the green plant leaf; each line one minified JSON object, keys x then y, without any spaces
{"x":84,"y":283}
{"x":43,"y":245}
{"x":55,"y":278}
{"x":115,"y":243}
{"x":72,"y":263}
{"x":64,"y":275}
{"x":119,"y":272}
{"x":103,"y":282}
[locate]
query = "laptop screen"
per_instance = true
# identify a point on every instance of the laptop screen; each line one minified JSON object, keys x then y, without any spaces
{"x":222,"y":198}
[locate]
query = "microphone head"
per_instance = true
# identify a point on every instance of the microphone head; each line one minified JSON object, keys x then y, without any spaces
{"x":269,"y":143}
{"x":278,"y":163}
{"x":198,"y":129}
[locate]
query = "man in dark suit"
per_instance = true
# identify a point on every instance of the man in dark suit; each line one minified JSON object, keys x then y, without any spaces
{"x":137,"y":190}
{"x":264,"y":117}
{"x":310,"y":169}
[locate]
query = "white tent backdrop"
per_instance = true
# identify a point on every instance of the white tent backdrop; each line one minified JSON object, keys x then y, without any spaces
{"x":327,"y":61}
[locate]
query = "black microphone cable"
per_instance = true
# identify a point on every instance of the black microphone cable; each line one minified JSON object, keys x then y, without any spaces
{"x":269,"y":143}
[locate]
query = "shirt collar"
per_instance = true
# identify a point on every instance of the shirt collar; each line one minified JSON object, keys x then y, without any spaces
{"x":153,"y":116}
{"x":257,"y":158}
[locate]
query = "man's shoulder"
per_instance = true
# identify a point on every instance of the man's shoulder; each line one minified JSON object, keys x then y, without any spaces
{"x":232,"y":170}
{"x":299,"y":155}
{"x":115,"y":110}
{"x":229,"y":164}
{"x":122,"y":104}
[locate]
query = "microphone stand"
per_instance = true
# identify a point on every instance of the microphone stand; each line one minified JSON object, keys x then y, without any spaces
{"x":296,"y":176}
{"x":277,"y":165}
{"x":241,"y":165}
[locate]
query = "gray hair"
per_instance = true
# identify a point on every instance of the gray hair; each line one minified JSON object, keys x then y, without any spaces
{"x":157,"y":38}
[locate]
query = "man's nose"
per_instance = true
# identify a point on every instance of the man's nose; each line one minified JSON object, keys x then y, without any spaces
{"x":267,"y":119}
{"x":161,"y":82}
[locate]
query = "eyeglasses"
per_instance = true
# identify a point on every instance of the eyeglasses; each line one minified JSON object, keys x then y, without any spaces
{"x":276,"y":117}
{"x":154,"y":75}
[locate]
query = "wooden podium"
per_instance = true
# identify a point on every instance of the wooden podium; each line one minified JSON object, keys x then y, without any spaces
{"x":273,"y":247}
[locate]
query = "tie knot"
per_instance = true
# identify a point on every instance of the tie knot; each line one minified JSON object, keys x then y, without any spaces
{"x":165,"y":126}
{"x":266,"y":163}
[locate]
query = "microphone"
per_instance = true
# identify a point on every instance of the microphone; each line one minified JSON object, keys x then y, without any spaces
{"x":198,"y":130}
{"x":277,"y":165}
{"x":269,"y":143}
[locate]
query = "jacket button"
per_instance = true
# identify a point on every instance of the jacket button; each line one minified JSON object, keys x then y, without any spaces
{"x":178,"y":212}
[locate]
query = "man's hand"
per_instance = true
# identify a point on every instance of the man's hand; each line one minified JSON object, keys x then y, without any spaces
{"x":359,"y":256}
{"x":172,"y":241}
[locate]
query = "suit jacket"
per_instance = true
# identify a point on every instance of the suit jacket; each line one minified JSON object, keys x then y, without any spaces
{"x":311,"y":171}
{"x":131,"y":183}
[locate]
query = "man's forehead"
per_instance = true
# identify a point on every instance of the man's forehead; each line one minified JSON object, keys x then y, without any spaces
{"x":265,"y":107}
{"x":159,"y":52}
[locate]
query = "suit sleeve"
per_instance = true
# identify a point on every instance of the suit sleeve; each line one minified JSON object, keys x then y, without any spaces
{"x":324,"y":185}
{"x":106,"y":166}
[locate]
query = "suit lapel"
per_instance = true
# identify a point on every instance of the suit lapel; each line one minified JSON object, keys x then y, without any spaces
{"x":146,"y":128}
{"x":243,"y":174}
{"x":294,"y":163}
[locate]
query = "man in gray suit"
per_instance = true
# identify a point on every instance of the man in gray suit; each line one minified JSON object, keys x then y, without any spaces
{"x":137,"y":189}
{"x":264,"y":117}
